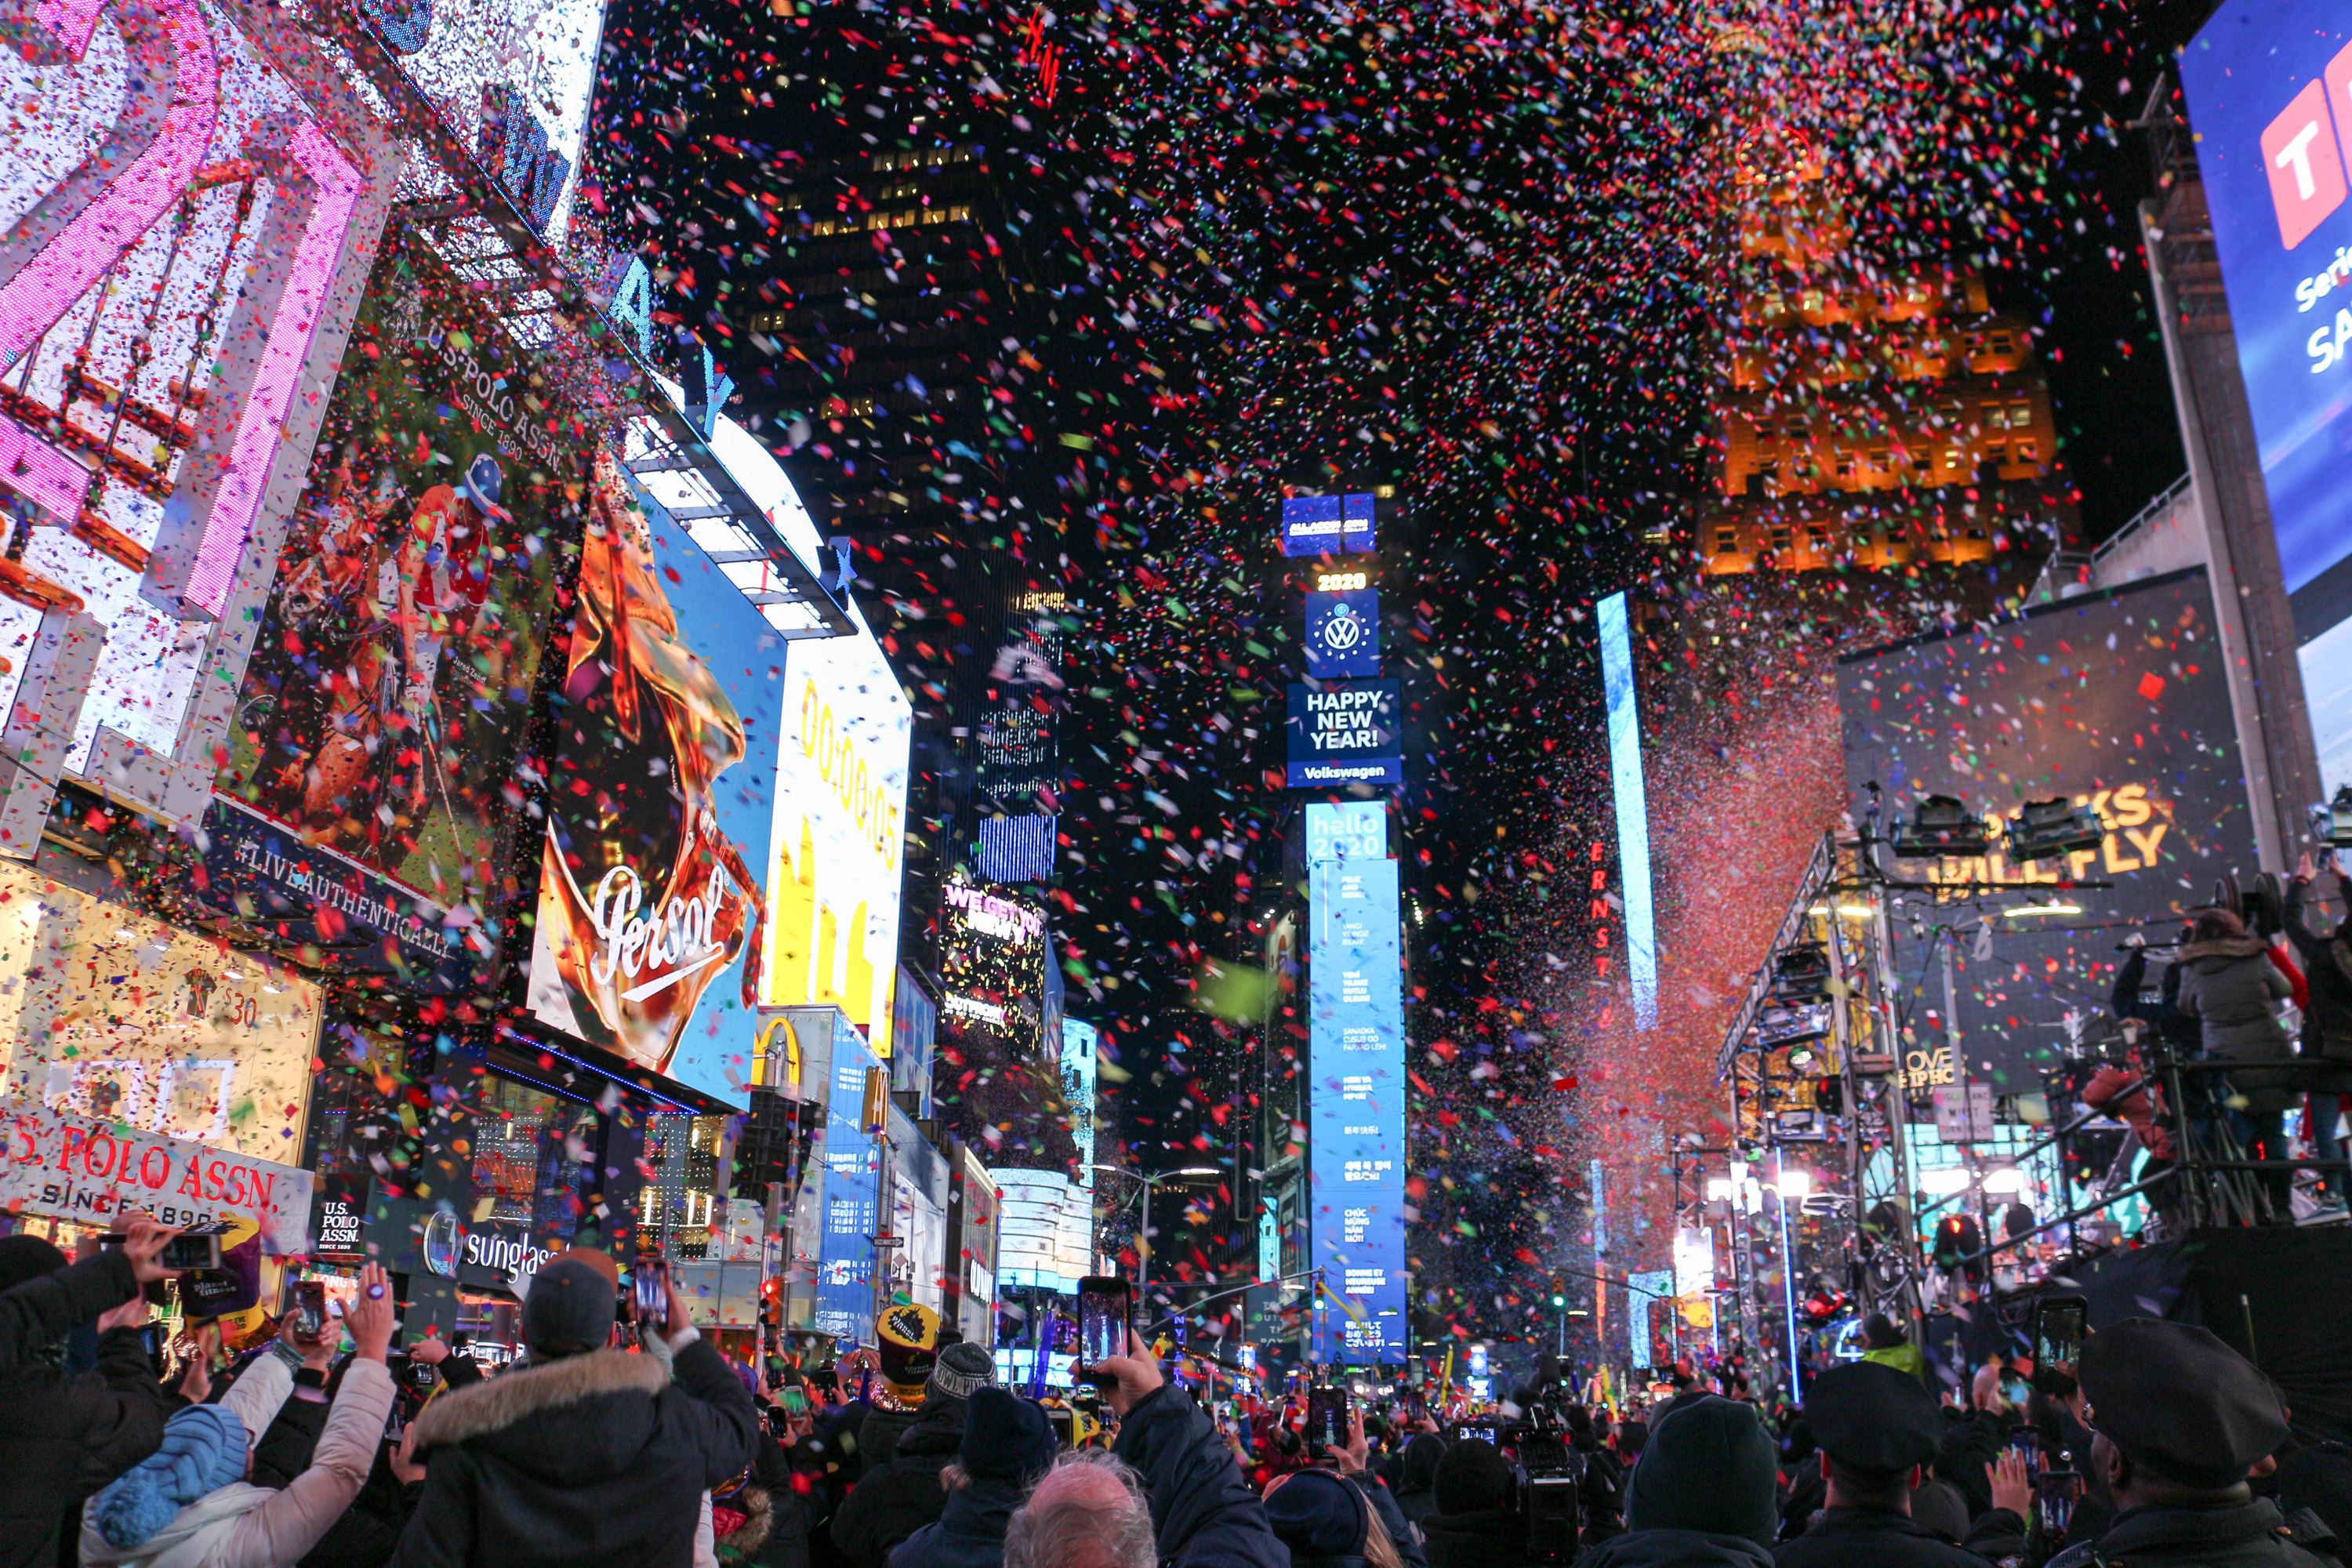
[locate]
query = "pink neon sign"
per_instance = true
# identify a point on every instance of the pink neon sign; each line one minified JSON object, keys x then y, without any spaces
{"x":98,"y":217}
{"x":335,"y":190}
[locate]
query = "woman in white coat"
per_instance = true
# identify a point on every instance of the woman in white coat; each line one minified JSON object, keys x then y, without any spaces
{"x":190,"y":1506}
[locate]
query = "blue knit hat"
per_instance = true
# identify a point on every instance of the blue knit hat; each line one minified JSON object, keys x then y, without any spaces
{"x":203,"y":1451}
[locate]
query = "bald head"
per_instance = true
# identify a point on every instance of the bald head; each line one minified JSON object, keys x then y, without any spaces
{"x":1089,"y":1511}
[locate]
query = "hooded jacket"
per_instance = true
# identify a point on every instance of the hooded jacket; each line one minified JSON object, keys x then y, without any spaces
{"x":63,"y":1435}
{"x":900,"y":1496}
{"x":245,"y":1526}
{"x":593,"y":1461}
{"x":1487,"y":1538}
{"x":969,"y":1534}
{"x":1675,"y":1549}
{"x":2232,"y":989}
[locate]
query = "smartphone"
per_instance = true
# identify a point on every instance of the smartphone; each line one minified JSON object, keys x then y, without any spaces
{"x":1104,"y":1306}
{"x":1327,"y":1419}
{"x":189,"y":1252}
{"x":2055,"y":1493}
{"x":2061,"y":1323}
{"x":2027,"y":1443}
{"x":310,"y":1317}
{"x":422,"y":1375}
{"x":792,"y":1399}
{"x":652,"y":1301}
{"x":1063,"y":1420}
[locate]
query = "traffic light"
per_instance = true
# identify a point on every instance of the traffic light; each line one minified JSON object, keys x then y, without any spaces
{"x":1560,"y":1300}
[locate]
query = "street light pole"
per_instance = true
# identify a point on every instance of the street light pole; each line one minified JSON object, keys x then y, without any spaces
{"x":1143,"y":1230}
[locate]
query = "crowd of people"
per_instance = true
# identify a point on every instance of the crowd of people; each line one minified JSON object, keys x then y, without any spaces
{"x":622,"y":1444}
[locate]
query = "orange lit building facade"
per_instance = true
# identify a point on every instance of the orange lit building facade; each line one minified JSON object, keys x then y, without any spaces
{"x":1869,"y":420}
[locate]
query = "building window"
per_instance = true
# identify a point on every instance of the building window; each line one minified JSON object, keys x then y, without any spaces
{"x":2026,"y":452}
{"x":1726,"y":539}
{"x":1780,"y":536}
{"x":1817,"y":540}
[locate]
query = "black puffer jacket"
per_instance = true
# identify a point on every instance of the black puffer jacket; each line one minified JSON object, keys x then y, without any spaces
{"x":593,"y":1461}
{"x":2233,"y":991}
{"x":63,"y":1435}
{"x":1417,"y":1477}
{"x":899,"y":1496}
{"x":1203,"y":1513}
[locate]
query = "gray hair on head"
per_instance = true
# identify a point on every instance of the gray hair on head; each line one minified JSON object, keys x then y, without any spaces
{"x":1089,"y":1511}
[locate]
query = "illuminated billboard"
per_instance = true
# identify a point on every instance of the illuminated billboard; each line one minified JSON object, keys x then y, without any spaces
{"x":660,"y":801}
{"x":1000,"y":1077}
{"x":2116,"y":701}
{"x":193,"y":196}
{"x":836,"y":849}
{"x":2270,"y":96}
{"x":1343,"y":732}
{"x":1329,"y":525}
{"x":1356,"y":1096}
{"x":392,"y":680}
{"x":1019,"y":737}
{"x":852,"y":1197}
{"x":1343,"y":630}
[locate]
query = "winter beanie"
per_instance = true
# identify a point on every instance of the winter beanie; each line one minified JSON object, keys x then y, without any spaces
{"x":1472,"y":1476}
{"x":203,"y":1451}
{"x":1006,"y":1438}
{"x":963,"y":1370}
{"x":1707,"y":1466}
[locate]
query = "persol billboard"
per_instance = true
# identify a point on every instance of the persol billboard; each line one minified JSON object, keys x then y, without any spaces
{"x":652,"y":908}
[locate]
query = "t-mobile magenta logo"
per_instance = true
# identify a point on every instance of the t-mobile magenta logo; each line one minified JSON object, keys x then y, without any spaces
{"x":2305,"y":150}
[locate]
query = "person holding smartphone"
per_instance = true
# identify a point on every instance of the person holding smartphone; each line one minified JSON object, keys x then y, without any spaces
{"x":64,"y":1434}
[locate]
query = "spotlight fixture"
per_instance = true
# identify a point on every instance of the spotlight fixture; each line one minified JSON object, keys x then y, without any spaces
{"x":2048,"y":829}
{"x":1801,"y":974}
{"x":1939,"y":825}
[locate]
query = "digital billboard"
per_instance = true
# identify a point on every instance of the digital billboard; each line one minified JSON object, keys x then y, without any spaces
{"x":1019,"y":736}
{"x":1000,"y":1077}
{"x":837,"y":848}
{"x":853,"y":1192}
{"x":2270,"y":96}
{"x":1347,"y":830}
{"x":1329,"y":525}
{"x":1345,"y":732}
{"x":2116,"y":701}
{"x":1343,"y":632}
{"x":392,"y":679}
{"x":1356,"y":1103}
{"x":660,"y":799}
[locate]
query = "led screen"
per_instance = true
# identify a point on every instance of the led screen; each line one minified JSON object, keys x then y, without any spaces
{"x":1343,"y":632}
{"x":840,"y":832}
{"x":1345,"y":732}
{"x":661,"y":796}
{"x":2270,"y":96}
{"x":1329,"y":525}
{"x":1355,"y":1104}
{"x":2116,"y":701}
{"x":392,"y":679}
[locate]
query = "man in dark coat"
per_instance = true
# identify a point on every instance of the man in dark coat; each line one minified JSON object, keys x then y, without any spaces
{"x":1477,"y":1523}
{"x":2177,"y":1419}
{"x":1701,"y":1495}
{"x":588,"y":1457}
{"x":63,"y":1435}
{"x":1878,"y":1429}
{"x":899,"y":1496}
{"x":1007,"y":1445}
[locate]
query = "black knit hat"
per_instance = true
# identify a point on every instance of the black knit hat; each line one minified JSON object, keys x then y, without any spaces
{"x":1005,"y":1437}
{"x":1473,"y":1478}
{"x":23,"y":1258}
{"x":1318,"y":1516}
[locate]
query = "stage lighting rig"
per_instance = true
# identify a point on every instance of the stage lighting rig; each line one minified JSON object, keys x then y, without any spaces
{"x":1801,"y":974}
{"x":2050,"y":829}
{"x":1940,"y":827}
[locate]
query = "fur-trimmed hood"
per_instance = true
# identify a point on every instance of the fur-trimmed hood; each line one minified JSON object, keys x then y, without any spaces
{"x":2227,"y":949}
{"x":577,"y":1419}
